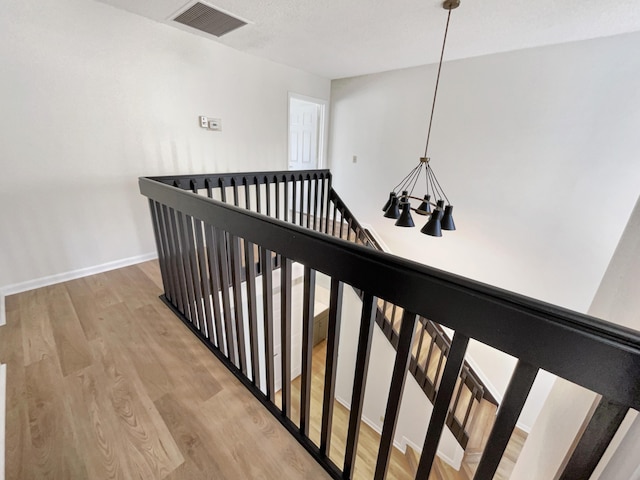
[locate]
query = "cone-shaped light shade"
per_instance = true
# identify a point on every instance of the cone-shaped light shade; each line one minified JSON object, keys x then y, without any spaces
{"x":447,"y":222}
{"x":393,"y":211}
{"x":405,"y":219}
{"x":425,"y":206}
{"x":440,"y":206}
{"x":388,"y":204}
{"x":433,"y":227}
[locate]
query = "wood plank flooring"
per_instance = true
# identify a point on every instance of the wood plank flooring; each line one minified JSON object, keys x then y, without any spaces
{"x":369,"y":439}
{"x":104,"y":382}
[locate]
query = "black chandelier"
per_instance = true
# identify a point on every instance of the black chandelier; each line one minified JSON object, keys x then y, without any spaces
{"x":398,"y":205}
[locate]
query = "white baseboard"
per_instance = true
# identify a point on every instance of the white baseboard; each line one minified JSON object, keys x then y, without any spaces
{"x":402,"y":445}
{"x":483,"y":378}
{"x":3,"y":396}
{"x":376,"y":236}
{"x":374,"y":426}
{"x":66,"y":276}
{"x":493,"y":390}
{"x":454,"y":463}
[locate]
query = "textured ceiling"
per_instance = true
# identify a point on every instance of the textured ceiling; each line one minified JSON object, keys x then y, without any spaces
{"x":343,"y":38}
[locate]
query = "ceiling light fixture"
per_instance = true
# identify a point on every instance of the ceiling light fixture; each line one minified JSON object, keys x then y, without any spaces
{"x":398,"y":205}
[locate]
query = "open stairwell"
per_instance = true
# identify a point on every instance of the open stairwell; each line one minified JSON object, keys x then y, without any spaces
{"x":228,"y":247}
{"x":473,"y":409}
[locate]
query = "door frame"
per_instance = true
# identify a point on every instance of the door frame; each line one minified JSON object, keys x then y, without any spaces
{"x":323,"y":119}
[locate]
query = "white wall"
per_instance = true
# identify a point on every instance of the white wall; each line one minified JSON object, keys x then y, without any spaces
{"x":92,"y":97}
{"x":415,"y":409}
{"x":537,"y":150}
{"x":568,"y":405}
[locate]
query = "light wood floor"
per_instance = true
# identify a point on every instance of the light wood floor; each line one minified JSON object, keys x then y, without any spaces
{"x":104,"y":382}
{"x":369,"y":439}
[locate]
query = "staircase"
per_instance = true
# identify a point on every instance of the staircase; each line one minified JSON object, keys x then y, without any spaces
{"x":225,"y":240}
{"x":305,"y":206}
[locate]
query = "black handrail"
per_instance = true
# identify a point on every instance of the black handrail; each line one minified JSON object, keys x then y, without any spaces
{"x":595,"y":354}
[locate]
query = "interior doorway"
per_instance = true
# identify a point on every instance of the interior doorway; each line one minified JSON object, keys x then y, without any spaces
{"x":306,"y":132}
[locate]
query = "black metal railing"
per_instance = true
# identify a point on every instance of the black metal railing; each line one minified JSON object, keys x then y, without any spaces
{"x":306,"y":198}
{"x":204,"y":243}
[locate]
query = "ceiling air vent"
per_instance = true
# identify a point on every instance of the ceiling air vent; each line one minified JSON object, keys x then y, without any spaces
{"x":207,"y":19}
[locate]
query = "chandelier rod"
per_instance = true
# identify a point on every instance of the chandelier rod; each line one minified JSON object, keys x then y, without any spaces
{"x":435,"y":93}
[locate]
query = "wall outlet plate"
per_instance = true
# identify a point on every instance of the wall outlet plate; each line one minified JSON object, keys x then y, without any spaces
{"x":204,"y":122}
{"x":215,"y":124}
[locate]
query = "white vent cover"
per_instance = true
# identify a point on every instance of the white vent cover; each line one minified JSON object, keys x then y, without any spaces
{"x":207,"y":19}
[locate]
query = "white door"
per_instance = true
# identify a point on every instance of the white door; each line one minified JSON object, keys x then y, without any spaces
{"x":304,"y":134}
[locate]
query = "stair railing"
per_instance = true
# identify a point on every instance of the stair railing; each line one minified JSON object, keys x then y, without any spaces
{"x":306,"y":198}
{"x":204,"y":243}
{"x":470,"y":390}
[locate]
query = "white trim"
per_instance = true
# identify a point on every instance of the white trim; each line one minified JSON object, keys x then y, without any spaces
{"x":525,"y":428}
{"x":453,"y":463}
{"x":483,"y":378}
{"x":401,"y":445}
{"x":493,"y":390}
{"x":66,"y":276}
{"x":374,"y":426}
{"x":3,"y":393}
{"x":375,"y":234}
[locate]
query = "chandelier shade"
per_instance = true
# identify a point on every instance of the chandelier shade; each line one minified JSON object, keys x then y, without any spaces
{"x":388,"y":204}
{"x":447,"y":219}
{"x":405,"y":219}
{"x":393,"y":210}
{"x":433,"y":227}
{"x":425,"y":206}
